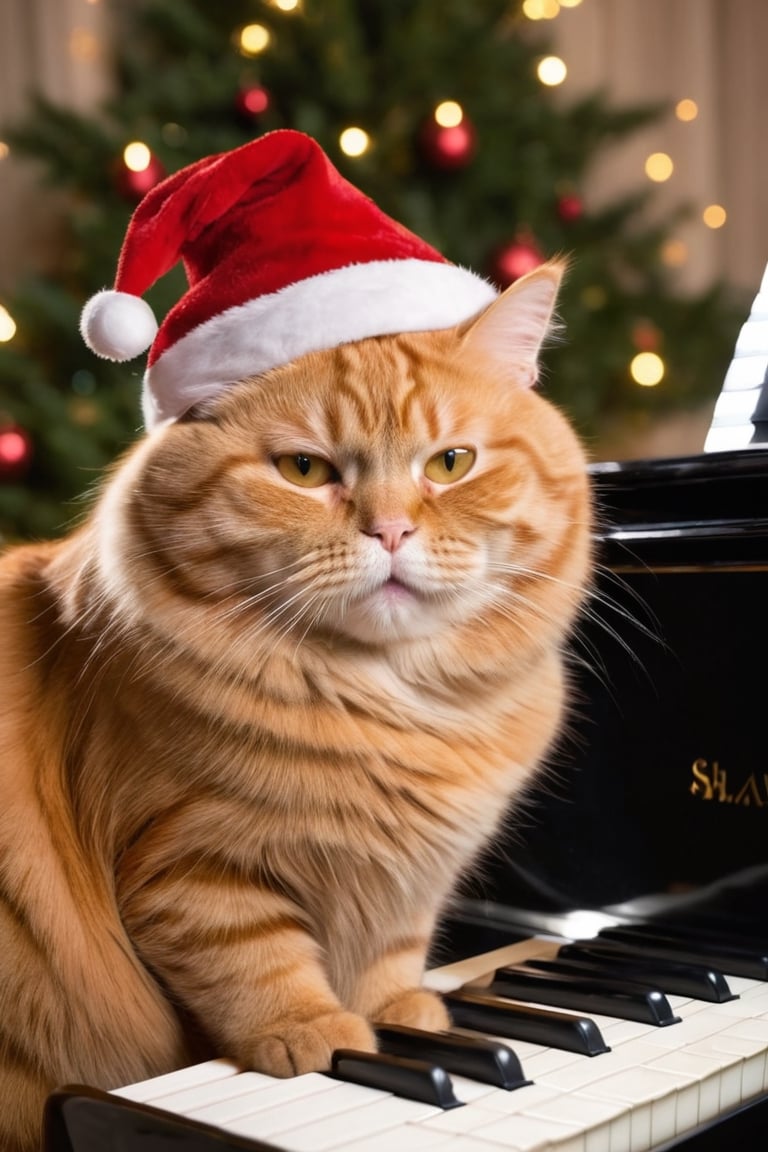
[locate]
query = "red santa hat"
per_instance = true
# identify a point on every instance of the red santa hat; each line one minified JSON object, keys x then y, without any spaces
{"x":283,"y":256}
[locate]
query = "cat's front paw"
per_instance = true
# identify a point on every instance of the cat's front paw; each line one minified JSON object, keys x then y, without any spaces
{"x":416,"y":1009}
{"x":293,"y":1047}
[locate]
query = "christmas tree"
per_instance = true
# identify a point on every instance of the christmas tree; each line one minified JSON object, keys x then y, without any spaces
{"x":436,"y":110}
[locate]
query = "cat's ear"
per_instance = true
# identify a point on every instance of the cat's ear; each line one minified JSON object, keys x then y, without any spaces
{"x":513,"y":328}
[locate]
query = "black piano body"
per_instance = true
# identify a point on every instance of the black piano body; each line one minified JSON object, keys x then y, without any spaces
{"x":659,"y":790}
{"x":655,"y":803}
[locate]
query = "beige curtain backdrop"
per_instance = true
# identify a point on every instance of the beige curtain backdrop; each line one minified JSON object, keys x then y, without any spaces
{"x":710,"y":51}
{"x":60,"y":48}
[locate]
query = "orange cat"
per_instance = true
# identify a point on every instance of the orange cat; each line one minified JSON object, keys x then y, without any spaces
{"x":263,"y":708}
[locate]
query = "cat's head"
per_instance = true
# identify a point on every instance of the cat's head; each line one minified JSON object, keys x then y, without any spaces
{"x":382,"y":491}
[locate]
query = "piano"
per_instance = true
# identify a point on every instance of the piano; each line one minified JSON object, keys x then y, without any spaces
{"x":606,"y":964}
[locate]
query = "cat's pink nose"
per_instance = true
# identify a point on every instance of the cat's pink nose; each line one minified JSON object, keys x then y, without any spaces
{"x":391,"y":533}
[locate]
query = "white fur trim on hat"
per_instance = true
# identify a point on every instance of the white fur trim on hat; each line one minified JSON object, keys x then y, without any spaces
{"x":352,"y":303}
{"x":117,"y":325}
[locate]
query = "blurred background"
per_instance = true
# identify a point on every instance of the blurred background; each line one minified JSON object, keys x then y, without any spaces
{"x":628,"y":134}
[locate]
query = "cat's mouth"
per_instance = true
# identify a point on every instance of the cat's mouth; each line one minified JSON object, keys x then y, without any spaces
{"x":396,"y":587}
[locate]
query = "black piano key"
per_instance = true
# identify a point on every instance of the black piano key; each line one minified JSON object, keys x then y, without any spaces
{"x":475,"y":1057}
{"x":694,"y":980}
{"x":522,"y":1022}
{"x":607,"y":997}
{"x":732,"y":959}
{"x":403,"y":1076}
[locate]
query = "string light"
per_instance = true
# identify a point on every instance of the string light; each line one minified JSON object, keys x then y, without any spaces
{"x":287,"y":5}
{"x":253,"y":39}
{"x":686,"y":110}
{"x":7,"y":325}
{"x":83,"y":45}
{"x":674,"y":253}
{"x":354,"y":141}
{"x":449,"y":114}
{"x":659,"y":167}
{"x":551,"y":71}
{"x":541,"y":9}
{"x":714,"y":216}
{"x":136,"y":156}
{"x":647,"y":369}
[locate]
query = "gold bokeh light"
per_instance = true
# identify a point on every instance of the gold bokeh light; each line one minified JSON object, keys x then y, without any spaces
{"x":136,"y":156}
{"x":659,"y":167}
{"x":449,"y":114}
{"x":354,"y":141}
{"x":647,"y":369}
{"x":551,"y":71}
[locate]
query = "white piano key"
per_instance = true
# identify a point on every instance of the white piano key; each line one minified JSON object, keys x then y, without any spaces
{"x":740,"y":985}
{"x":752,"y":1029}
{"x":320,"y":1133}
{"x":526,"y":1133}
{"x":651,"y":1098}
{"x":406,"y":1138}
{"x":690,"y":1029}
{"x":730,"y":439}
{"x":187,"y":1100}
{"x":585,"y":1113}
{"x":704,"y":1071}
{"x":469,"y":1091}
{"x":745,"y":372}
{"x":759,"y":310}
{"x":268,"y":1123}
{"x":752,"y":339}
{"x":751,"y":1052}
{"x":231,"y":1104}
{"x":508,"y":1103}
{"x":462,"y":1120}
{"x":548,"y":1060}
{"x":588,"y":1071}
{"x":735,"y":407}
{"x":620,"y":1031}
{"x":145,"y":1091}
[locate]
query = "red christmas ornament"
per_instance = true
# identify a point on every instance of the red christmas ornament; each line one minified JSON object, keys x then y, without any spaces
{"x":569,"y":208}
{"x":252,"y":101}
{"x":515,"y":259}
{"x":135,"y":183}
{"x":449,"y":148}
{"x":646,"y":336}
{"x":15,"y":452}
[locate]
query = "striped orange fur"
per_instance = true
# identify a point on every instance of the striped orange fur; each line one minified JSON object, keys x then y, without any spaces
{"x":251,"y":732}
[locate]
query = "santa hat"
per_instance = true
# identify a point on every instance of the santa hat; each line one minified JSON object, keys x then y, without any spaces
{"x":283,"y":256}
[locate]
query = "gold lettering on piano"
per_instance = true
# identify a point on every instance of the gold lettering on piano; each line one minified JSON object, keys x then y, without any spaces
{"x":710,"y":782}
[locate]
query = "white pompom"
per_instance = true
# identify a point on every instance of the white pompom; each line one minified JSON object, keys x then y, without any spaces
{"x":117,"y":325}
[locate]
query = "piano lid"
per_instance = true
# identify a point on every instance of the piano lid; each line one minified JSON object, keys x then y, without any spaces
{"x":740,"y":418}
{"x":688,"y":510}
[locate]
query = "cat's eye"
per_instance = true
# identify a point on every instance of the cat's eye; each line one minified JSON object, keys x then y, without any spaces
{"x":449,"y":466}
{"x":305,"y":470}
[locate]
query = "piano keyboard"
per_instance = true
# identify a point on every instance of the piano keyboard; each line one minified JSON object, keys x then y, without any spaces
{"x":740,"y":417}
{"x":651,"y":1075}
